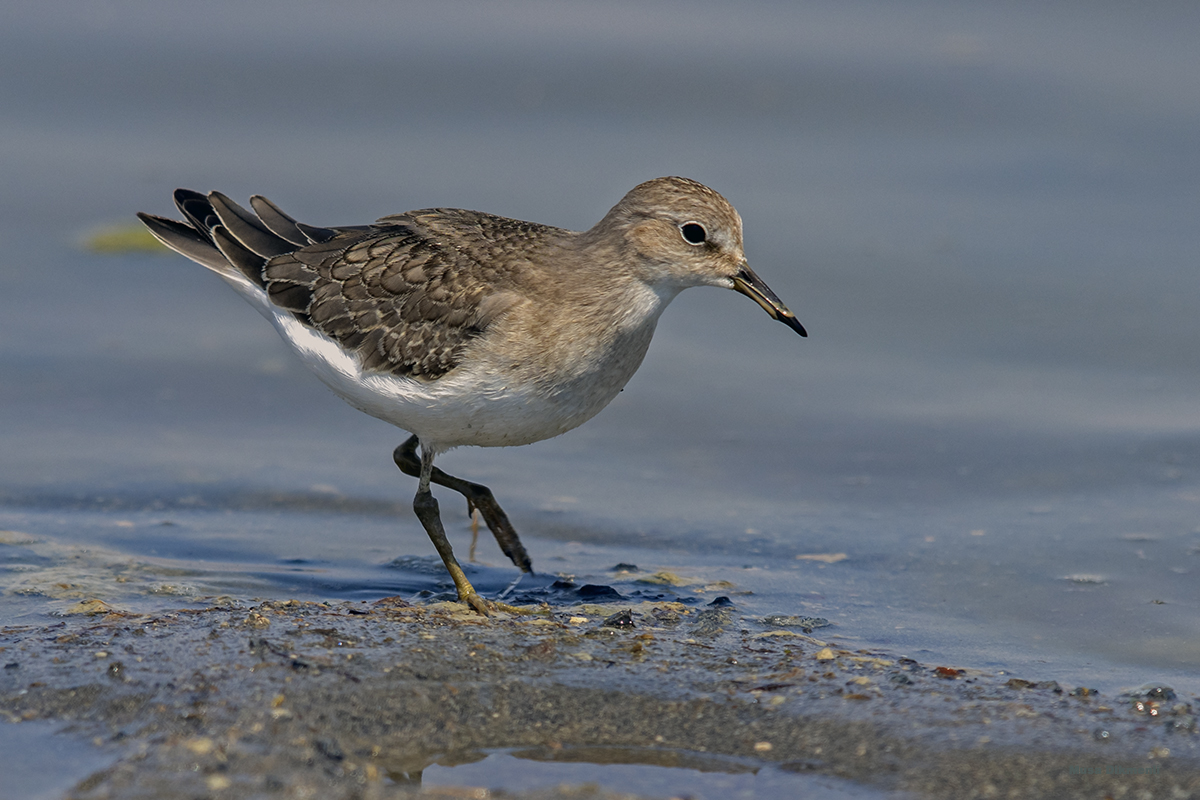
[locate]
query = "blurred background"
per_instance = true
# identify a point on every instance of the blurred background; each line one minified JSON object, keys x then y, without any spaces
{"x":985,"y":215}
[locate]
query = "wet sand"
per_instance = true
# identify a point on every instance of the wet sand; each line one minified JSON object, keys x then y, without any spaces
{"x":299,"y":699}
{"x":985,"y":215}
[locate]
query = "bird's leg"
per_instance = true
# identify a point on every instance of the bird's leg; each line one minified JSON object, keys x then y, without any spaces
{"x":479,"y":497}
{"x":426,"y":507}
{"x":474,"y":512}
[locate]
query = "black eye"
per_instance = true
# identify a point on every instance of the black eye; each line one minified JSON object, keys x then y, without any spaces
{"x":693,"y":232}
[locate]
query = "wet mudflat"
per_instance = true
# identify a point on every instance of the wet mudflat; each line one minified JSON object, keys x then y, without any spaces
{"x":987,"y":455}
{"x":358,"y":699}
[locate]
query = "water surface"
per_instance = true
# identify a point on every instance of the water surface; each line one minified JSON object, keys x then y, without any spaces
{"x":984,"y":216}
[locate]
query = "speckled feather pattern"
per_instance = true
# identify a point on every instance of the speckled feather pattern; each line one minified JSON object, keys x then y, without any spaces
{"x":410,"y":293}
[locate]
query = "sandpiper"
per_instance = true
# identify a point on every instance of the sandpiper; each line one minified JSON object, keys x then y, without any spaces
{"x":465,"y":328}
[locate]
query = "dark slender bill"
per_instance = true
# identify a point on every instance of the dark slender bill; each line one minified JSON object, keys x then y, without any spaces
{"x":753,"y":287}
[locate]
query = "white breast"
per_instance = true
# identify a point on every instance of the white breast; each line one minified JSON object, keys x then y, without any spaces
{"x":476,"y":403}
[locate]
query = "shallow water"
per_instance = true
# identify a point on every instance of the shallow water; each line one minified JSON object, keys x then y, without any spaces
{"x":41,"y":762}
{"x":985,"y":218}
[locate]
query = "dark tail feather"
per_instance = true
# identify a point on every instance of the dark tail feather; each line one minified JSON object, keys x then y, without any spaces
{"x":248,"y":229}
{"x":277,"y":222}
{"x":195,"y":208}
{"x":223,"y":236}
{"x":245,"y":260}
{"x":185,"y":240}
{"x":315,"y":234}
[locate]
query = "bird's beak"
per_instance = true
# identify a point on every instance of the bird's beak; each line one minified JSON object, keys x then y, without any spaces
{"x":749,"y":284}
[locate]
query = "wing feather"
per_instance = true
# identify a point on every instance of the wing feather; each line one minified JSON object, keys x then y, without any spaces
{"x":406,"y":295}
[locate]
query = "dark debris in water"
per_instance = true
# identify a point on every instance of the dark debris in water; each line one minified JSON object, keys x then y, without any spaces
{"x":565,"y":592}
{"x":1152,"y":691}
{"x":597,"y":593}
{"x":622,"y":620}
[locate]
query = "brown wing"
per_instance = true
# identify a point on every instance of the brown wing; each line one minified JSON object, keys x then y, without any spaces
{"x":404,"y":299}
{"x":407,"y":294}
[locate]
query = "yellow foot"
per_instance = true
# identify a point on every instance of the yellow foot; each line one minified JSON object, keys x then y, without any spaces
{"x":488,"y":607}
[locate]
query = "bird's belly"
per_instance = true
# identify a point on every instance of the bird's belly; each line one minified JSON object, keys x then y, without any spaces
{"x":471,"y":409}
{"x":472,"y":405}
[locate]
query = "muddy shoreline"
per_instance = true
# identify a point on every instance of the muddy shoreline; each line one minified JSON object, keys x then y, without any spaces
{"x":291,"y":699}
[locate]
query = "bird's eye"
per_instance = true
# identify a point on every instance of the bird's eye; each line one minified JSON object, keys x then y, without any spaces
{"x":693,"y":232}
